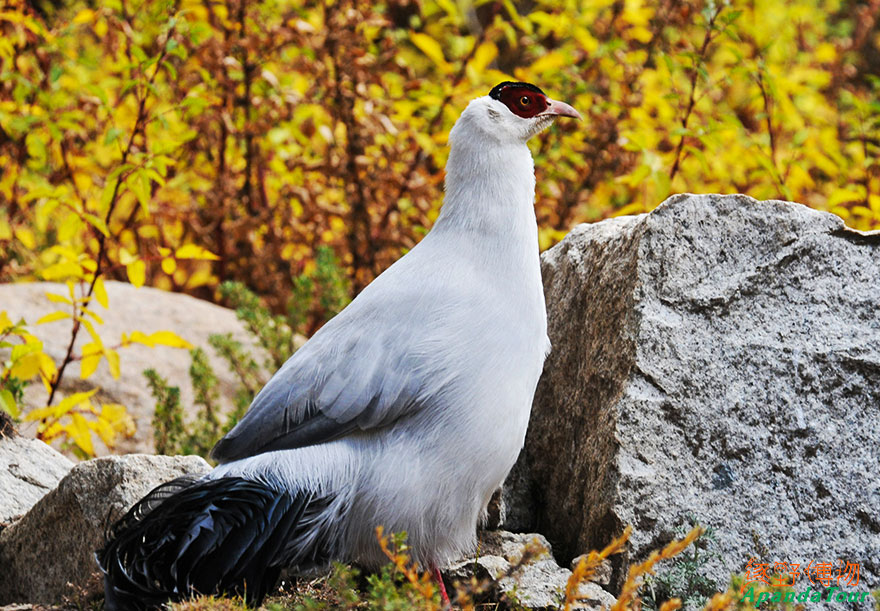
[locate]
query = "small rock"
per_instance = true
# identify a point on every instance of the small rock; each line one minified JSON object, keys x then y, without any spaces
{"x":513,"y":547}
{"x":524,"y":569}
{"x":49,"y":554}
{"x":593,"y":596}
{"x":28,"y":470}
{"x":602,"y":574}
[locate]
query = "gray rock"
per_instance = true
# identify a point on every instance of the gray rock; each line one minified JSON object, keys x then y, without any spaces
{"x":28,"y":470}
{"x":516,"y":501}
{"x":523,"y":569}
{"x":718,"y":358}
{"x":145,"y":309}
{"x":48,"y":555}
{"x":602,"y":574}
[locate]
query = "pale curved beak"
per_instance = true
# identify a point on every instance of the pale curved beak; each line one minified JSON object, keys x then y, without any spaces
{"x":561,"y":109}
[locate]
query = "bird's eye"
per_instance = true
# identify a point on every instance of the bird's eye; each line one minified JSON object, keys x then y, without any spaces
{"x":525,"y":100}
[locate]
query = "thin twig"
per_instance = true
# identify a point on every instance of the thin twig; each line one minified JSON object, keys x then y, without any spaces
{"x":767,"y":115}
{"x":710,"y":35}
{"x":102,"y":239}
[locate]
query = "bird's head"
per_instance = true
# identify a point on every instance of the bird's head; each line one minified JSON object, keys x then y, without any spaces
{"x":516,"y":111}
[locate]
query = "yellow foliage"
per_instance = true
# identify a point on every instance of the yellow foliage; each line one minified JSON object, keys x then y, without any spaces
{"x":75,"y":417}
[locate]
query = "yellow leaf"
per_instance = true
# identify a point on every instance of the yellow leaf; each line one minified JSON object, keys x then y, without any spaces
{"x":192,"y":251}
{"x":97,"y":223}
{"x":91,"y":329}
{"x":631,"y":208}
{"x":840,"y":196}
{"x":47,"y":370}
{"x":126,"y":257}
{"x":101,"y":292}
{"x":432,"y":49}
{"x":78,"y":430}
{"x":26,"y":237}
{"x":169,"y":265}
{"x":137,"y":337}
{"x":640,"y":33}
{"x":585,"y":39}
{"x":51,"y":432}
{"x":26,"y":367}
{"x":52,"y":317}
{"x":137,"y":273}
{"x":84,"y":16}
{"x":90,"y":360}
{"x":39,"y":414}
{"x":5,"y":323}
{"x":169,"y":338}
{"x":68,"y":403}
{"x":7,"y":403}
{"x":548,"y":62}
{"x":56,"y":298}
{"x":97,"y":318}
{"x":113,"y":362}
{"x":104,"y":431}
{"x":101,"y":29}
{"x":62,"y":270}
{"x":118,"y":417}
{"x":825,"y":52}
{"x":89,"y":365}
{"x":69,"y":227}
{"x":483,"y":56}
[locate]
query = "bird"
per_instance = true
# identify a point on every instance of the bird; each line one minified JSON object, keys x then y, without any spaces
{"x":406,"y":410}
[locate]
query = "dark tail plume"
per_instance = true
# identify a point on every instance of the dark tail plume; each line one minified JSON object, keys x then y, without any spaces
{"x":224,"y":536}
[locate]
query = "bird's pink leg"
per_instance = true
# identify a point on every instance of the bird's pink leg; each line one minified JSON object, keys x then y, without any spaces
{"x":446,"y":603}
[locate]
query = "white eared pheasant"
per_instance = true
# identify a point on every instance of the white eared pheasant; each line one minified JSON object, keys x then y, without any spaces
{"x":406,"y":410}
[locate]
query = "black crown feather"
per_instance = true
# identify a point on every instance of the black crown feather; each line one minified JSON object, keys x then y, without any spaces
{"x":496,"y":90}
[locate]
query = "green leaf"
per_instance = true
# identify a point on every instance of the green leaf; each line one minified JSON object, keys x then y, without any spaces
{"x":97,"y":222}
{"x":138,"y":53}
{"x":112,"y":134}
{"x":7,"y":403}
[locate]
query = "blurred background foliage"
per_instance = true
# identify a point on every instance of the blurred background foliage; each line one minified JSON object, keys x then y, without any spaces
{"x":185,"y":143}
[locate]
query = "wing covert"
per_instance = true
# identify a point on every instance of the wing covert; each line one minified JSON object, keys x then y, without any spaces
{"x":329,"y":388}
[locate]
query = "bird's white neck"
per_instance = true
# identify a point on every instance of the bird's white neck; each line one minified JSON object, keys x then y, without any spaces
{"x":490,"y":188}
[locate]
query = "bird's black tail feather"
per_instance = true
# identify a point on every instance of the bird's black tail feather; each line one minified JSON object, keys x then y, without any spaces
{"x":222,"y":536}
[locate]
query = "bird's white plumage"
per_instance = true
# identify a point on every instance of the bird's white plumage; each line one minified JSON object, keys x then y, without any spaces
{"x":410,"y":406}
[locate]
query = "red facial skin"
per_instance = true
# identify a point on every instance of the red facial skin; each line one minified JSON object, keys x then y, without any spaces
{"x":524,"y":102}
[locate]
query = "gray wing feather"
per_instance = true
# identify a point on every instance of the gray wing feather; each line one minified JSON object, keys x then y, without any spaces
{"x":337,"y":383}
